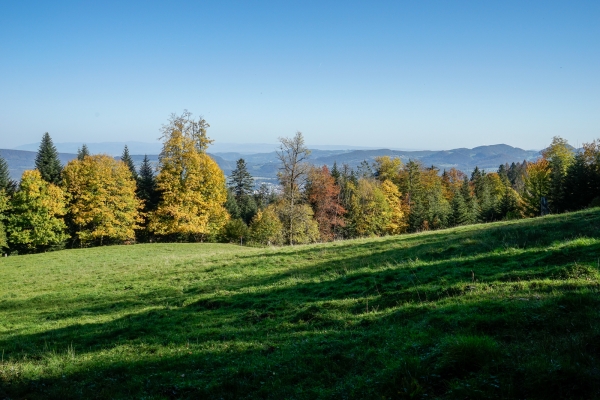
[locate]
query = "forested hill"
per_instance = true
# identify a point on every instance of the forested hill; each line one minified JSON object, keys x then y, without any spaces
{"x":264,"y":165}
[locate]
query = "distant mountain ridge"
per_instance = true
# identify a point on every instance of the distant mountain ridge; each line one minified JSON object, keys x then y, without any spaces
{"x":264,"y":166}
{"x":116,"y":148}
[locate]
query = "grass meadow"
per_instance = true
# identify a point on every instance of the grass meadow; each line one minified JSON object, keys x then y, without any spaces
{"x":503,"y":310}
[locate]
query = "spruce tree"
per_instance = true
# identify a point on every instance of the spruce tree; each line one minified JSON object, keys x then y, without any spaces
{"x":126,"y":158}
{"x":5,"y":181}
{"x":82,"y":152}
{"x":470,"y":202}
{"x":47,"y":161}
{"x":240,"y":181}
{"x":460,"y":212}
{"x":231,"y":205}
{"x":335,"y":173}
{"x":146,"y":186}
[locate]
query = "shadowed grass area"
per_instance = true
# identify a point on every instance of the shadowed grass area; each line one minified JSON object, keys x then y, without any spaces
{"x":504,"y":310}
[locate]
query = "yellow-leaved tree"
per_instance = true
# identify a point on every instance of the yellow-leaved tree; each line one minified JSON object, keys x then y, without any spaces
{"x":192,"y":185}
{"x":537,"y":185}
{"x":37,"y":210}
{"x":103,"y":204}
{"x":397,"y":222}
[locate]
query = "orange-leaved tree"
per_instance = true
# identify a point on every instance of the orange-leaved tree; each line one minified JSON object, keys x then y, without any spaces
{"x":192,"y":185}
{"x":323,"y":196}
{"x":103,"y":204}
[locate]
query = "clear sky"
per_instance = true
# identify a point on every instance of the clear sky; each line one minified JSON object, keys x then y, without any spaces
{"x":403,"y":74}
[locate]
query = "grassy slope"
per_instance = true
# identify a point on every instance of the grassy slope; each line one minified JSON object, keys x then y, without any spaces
{"x":501,"y":310}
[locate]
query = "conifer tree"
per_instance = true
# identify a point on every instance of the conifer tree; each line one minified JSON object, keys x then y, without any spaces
{"x":509,"y":204}
{"x":240,"y":180}
{"x":470,"y":202}
{"x":560,"y":156}
{"x":578,"y":191}
{"x":460,"y":211}
{"x":126,"y":158}
{"x":241,"y":185}
{"x":231,"y":205}
{"x":47,"y":161}
{"x":82,"y":152}
{"x":5,"y":181}
{"x":146,"y":186}
{"x":335,"y":173}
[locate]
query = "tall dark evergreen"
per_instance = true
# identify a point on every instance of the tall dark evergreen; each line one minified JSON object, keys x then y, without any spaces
{"x":335,"y":173}
{"x":241,"y":186}
{"x":470,"y":202}
{"x":5,"y":181}
{"x":82,"y":152}
{"x":508,"y":206}
{"x":126,"y":158}
{"x":47,"y":161}
{"x":240,"y":180}
{"x":578,"y":192}
{"x":460,"y":212}
{"x":146,"y":186}
{"x":231,"y":205}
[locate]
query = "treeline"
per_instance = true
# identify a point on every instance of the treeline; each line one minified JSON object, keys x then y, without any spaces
{"x":97,"y":200}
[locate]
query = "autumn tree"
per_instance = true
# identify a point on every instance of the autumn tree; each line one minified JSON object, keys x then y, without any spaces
{"x":387,"y":168}
{"x":4,"y":206}
{"x":370,"y":213}
{"x":292,"y":155}
{"x":323,"y":196}
{"x":191,"y":184}
{"x":47,"y":161}
{"x":103,"y":205}
{"x":37,"y":211}
{"x":266,"y":228}
{"x":126,"y":158}
{"x":537,"y":185}
{"x":398,"y":213}
{"x":304,"y":228}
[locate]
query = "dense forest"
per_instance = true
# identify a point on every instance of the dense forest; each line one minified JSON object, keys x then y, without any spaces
{"x":97,"y":200}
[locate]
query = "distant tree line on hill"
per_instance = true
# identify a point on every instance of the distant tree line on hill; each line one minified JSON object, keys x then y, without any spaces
{"x":97,"y":200}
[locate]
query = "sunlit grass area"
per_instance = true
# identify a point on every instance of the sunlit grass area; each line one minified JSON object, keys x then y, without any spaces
{"x":503,"y":310}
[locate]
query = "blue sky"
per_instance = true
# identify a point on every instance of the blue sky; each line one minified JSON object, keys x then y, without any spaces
{"x":426,"y":75}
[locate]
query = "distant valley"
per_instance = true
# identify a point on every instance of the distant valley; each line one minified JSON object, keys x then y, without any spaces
{"x":263,"y":165}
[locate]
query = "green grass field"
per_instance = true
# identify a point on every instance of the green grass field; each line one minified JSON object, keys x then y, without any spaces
{"x":503,"y":310}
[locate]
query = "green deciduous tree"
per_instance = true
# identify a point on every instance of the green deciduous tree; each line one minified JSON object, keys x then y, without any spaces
{"x":47,"y":161}
{"x":37,"y":210}
{"x":266,"y":228}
